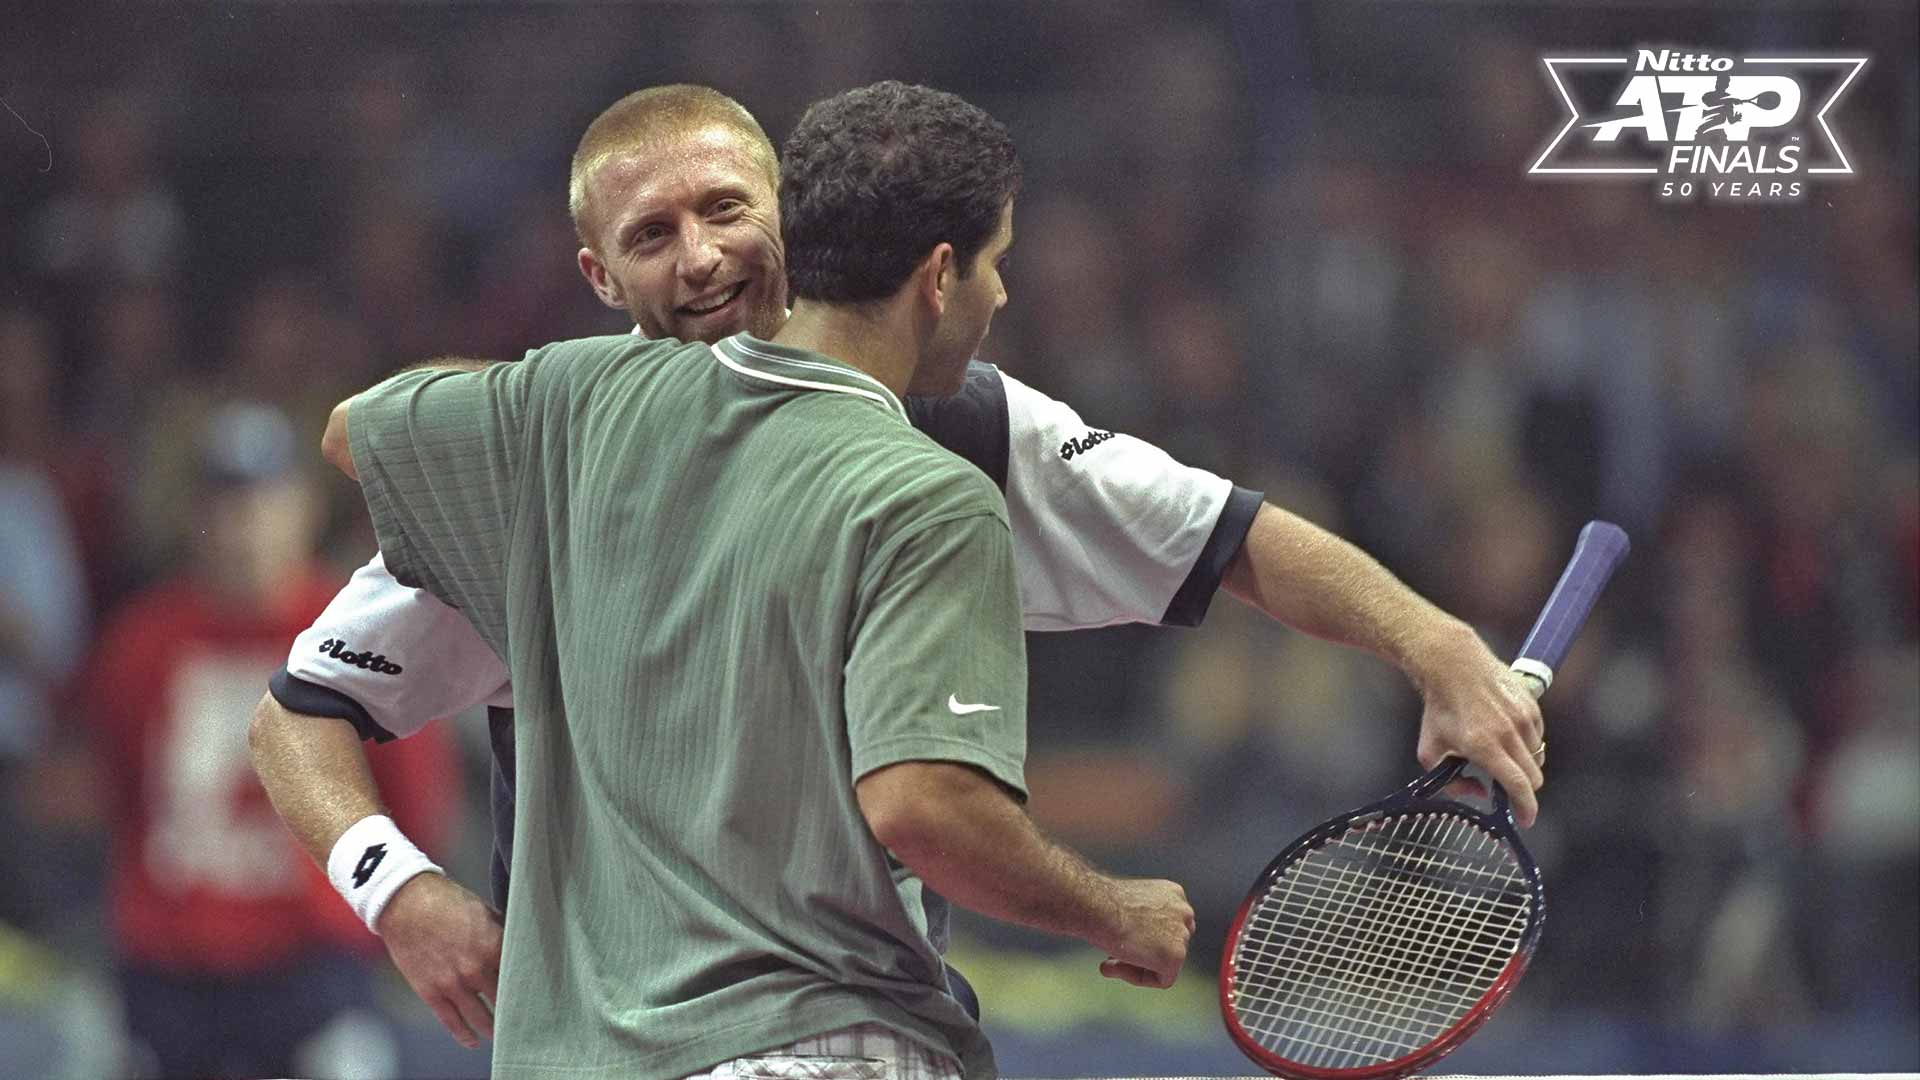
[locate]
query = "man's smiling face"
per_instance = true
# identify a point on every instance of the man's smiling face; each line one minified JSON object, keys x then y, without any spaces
{"x":685,"y":237}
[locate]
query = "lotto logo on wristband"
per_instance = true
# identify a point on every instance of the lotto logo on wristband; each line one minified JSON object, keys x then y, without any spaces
{"x":370,"y":860}
{"x":374,"y":662}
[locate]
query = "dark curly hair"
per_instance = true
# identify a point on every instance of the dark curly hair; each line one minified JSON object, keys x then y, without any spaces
{"x":873,"y":179}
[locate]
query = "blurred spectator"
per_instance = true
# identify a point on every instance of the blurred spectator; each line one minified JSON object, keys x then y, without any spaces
{"x":132,"y":344}
{"x":1071,"y":336}
{"x":43,"y":603}
{"x":287,"y":346}
{"x":1729,"y":830}
{"x":396,"y":275}
{"x":117,"y":217}
{"x":234,"y":951}
{"x":1866,"y":806}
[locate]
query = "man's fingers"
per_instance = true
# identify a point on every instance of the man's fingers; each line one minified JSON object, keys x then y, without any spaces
{"x":474,"y":1012}
{"x":1114,"y":968}
{"x":1513,"y":776}
{"x":450,"y":1018}
{"x":490,"y":981}
{"x":1522,"y":751}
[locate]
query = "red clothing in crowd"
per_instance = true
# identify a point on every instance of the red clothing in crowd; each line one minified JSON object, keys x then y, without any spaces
{"x":204,"y":876}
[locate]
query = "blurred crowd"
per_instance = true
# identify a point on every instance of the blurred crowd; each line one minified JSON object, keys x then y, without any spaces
{"x":1290,"y":243}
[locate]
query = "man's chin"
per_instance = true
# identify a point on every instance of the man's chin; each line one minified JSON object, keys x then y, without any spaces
{"x":766,"y":320}
{"x":746,"y":312}
{"x":936,"y":385}
{"x":710,"y":328}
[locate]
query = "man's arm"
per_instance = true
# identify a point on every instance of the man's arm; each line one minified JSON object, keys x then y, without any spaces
{"x":937,"y":780}
{"x":1107,"y":528}
{"x":380,"y":663}
{"x":334,"y":446}
{"x":443,"y":938}
{"x":439,"y":455}
{"x":966,"y":837}
{"x":1316,"y":582}
{"x":315,"y":772}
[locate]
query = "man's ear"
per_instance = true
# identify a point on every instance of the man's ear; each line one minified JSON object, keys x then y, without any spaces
{"x":936,"y":276}
{"x":604,"y":285}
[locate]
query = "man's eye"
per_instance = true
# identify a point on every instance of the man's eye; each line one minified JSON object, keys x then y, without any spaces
{"x":728,"y":206}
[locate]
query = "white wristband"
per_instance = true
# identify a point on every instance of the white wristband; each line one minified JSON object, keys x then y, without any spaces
{"x":370,"y":862}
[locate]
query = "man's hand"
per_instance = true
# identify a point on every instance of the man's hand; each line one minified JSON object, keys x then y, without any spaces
{"x":1153,"y":923}
{"x":446,"y":942}
{"x":1478,"y":709}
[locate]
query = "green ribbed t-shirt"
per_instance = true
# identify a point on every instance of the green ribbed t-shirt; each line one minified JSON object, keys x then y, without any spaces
{"x":729,"y":580}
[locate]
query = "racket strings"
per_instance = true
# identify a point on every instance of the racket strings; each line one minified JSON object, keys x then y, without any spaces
{"x":1374,"y":944}
{"x":1355,"y":996}
{"x":1360,"y":997}
{"x":1359,"y":978}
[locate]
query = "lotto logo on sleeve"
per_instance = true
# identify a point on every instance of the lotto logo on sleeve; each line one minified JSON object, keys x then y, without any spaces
{"x":1084,"y":443}
{"x":1700,"y":124}
{"x":370,"y":661}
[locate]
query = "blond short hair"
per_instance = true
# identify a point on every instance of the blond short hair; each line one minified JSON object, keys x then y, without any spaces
{"x":644,"y":119}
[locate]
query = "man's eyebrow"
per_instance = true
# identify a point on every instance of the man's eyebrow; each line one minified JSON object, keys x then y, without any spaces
{"x":633,"y":219}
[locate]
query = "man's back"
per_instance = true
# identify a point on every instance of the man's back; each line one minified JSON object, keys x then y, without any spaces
{"x":763,"y":585}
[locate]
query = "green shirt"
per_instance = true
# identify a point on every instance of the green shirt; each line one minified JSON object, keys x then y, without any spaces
{"x":728,"y":581}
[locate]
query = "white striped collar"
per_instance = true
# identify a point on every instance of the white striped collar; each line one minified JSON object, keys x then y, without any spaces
{"x":785,"y":366}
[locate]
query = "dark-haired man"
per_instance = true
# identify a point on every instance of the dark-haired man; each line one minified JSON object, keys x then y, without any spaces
{"x":672,"y":194}
{"x":765,"y":639}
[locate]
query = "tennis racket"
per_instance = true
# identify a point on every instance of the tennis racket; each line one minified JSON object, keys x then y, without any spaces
{"x":1378,"y":942}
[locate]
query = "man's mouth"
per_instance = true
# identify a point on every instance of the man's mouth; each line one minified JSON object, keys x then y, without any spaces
{"x":714,"y":303}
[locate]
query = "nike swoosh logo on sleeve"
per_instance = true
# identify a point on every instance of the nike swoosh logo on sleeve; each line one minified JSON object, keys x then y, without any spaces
{"x":956,"y":708}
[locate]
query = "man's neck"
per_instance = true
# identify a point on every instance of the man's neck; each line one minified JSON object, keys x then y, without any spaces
{"x":873,"y":339}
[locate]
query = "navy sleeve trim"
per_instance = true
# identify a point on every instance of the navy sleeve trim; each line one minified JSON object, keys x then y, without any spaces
{"x":971,"y":423}
{"x":1190,"y":604}
{"x":315,"y":700}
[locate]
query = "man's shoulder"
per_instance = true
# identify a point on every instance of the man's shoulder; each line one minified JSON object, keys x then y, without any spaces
{"x":605,"y":373}
{"x":972,"y":423}
{"x":903,"y":467}
{"x":601,"y":351}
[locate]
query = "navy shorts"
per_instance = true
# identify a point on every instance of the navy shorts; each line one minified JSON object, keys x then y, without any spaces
{"x":217,"y":1026}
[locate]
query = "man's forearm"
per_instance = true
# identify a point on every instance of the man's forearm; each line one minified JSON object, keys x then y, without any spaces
{"x":1317,"y":583}
{"x":970,"y":841}
{"x":315,"y":771}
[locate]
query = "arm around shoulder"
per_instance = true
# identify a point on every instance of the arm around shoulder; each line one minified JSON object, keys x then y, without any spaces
{"x":334,"y":446}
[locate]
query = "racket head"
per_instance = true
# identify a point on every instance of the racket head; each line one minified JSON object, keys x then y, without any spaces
{"x":1293,"y":1028}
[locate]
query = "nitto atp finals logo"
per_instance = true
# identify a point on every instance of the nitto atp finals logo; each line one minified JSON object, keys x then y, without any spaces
{"x":1699,"y":124}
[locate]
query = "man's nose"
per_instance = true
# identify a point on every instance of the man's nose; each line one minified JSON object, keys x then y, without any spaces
{"x":699,"y":255}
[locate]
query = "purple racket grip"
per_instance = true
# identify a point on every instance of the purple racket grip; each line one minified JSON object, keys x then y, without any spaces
{"x":1596,"y":555}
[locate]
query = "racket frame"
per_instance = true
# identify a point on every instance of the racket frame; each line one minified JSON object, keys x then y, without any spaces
{"x":1416,"y":798}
